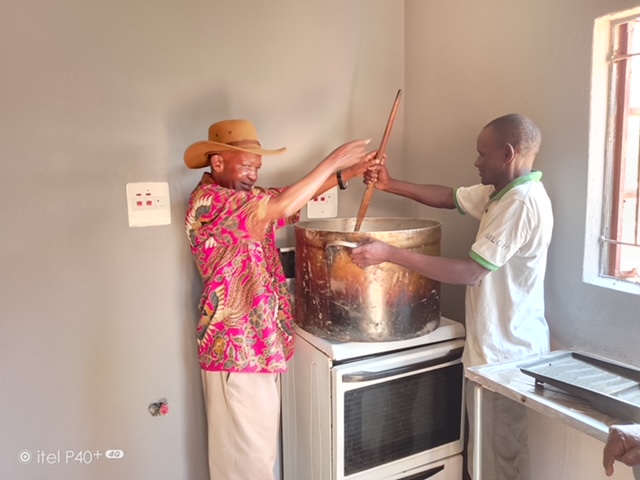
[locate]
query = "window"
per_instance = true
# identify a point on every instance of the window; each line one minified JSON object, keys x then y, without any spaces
{"x":612,"y":253}
{"x":623,"y":235}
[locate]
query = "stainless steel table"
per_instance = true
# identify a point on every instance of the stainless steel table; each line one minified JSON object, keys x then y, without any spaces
{"x":506,"y":379}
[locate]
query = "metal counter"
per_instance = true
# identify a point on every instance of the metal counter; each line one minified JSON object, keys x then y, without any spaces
{"x":506,"y":379}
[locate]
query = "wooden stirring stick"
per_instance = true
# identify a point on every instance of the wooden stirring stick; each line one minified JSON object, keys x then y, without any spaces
{"x":364,"y":205}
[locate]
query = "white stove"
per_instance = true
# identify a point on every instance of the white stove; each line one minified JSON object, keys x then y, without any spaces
{"x":376,"y":410}
{"x":338,"y":351}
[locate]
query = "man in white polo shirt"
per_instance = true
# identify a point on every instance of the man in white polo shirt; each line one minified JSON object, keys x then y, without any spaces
{"x":504,"y":272}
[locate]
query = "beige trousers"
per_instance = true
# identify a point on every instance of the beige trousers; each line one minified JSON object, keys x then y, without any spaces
{"x":243,"y":420}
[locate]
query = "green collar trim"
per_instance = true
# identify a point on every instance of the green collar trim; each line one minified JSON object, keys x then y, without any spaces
{"x":533,"y":176}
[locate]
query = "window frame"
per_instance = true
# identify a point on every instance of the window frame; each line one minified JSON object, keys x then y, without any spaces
{"x":602,"y":177}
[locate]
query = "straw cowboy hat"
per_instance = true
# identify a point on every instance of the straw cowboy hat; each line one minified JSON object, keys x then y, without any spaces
{"x":225,"y":136}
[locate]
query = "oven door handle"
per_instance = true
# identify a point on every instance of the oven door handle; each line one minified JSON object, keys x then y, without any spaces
{"x":454,"y":354}
{"x":429,"y":473}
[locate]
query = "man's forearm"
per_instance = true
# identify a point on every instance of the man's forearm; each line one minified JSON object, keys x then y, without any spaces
{"x":437,"y":196}
{"x":447,"y":270}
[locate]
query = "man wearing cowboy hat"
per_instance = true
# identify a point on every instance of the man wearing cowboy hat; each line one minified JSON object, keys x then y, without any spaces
{"x":245,"y":332}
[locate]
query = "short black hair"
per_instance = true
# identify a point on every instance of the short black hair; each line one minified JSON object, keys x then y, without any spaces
{"x":520,"y":131}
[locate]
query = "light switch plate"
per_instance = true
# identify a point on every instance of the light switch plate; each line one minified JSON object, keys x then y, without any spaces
{"x":148,"y":204}
{"x":325,"y":205}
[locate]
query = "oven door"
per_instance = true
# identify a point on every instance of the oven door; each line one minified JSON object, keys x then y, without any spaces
{"x":396,"y":412}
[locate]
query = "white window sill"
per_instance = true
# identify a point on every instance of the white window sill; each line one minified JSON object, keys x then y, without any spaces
{"x":613,"y":284}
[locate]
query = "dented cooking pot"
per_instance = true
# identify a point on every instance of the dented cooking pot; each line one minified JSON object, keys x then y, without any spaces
{"x":338,"y":300}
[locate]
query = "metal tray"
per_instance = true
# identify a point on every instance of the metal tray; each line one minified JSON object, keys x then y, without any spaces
{"x":609,"y":387}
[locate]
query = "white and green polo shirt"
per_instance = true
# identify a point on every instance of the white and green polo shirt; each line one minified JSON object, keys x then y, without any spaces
{"x":505,"y":311}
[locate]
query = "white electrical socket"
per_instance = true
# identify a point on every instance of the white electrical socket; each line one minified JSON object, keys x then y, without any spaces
{"x":148,"y":204}
{"x":325,"y":205}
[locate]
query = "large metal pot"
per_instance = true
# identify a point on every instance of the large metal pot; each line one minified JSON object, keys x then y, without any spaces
{"x":338,"y":300}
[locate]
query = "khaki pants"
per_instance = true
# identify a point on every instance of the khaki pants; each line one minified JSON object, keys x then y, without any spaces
{"x":505,"y":447}
{"x":243,"y":420}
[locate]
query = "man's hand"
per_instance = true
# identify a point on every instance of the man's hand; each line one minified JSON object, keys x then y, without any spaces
{"x":347,"y":154}
{"x":360,"y":168}
{"x":371,"y":253}
{"x":377,"y":174}
{"x":623,"y":444}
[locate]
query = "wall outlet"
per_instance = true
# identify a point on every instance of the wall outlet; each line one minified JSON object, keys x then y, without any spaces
{"x":325,"y":205}
{"x":148,"y":204}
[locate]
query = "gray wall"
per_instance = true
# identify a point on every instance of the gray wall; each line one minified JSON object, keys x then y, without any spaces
{"x":469,"y":62}
{"x":98,"y":318}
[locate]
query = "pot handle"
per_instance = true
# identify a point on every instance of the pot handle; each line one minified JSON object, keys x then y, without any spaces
{"x":340,"y":243}
{"x":330,"y":253}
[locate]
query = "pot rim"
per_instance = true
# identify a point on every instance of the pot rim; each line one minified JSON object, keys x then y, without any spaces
{"x":316,"y":224}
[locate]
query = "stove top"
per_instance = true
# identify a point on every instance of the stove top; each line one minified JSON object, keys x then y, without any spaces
{"x":337,"y":350}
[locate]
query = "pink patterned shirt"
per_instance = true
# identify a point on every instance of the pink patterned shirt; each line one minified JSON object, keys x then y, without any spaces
{"x":246,"y":323}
